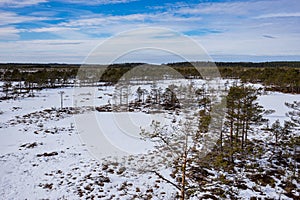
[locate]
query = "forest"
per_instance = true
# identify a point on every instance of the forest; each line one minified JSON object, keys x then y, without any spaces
{"x":275,"y":76}
{"x":223,"y":149}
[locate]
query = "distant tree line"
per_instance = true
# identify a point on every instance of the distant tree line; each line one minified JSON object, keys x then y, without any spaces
{"x":283,"y":79}
{"x":277,"y":76}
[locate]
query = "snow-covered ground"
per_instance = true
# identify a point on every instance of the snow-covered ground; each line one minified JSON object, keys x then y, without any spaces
{"x":275,"y":101}
{"x":44,"y":153}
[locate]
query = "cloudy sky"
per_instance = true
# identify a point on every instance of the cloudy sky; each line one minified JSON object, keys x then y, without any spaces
{"x":67,"y":31}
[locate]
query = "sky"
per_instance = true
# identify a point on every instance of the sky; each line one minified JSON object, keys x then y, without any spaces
{"x":68,"y":31}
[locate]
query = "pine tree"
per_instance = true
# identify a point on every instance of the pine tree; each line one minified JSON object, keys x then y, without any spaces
{"x":184,"y":147}
{"x":242,"y":113}
{"x":170,"y":100}
{"x":277,"y":130}
{"x":294,"y":115}
{"x":280,"y":131}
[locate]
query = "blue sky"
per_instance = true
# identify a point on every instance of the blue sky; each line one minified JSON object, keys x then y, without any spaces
{"x":66,"y":31}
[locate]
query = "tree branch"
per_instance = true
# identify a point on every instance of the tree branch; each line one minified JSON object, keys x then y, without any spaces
{"x":163,"y":178}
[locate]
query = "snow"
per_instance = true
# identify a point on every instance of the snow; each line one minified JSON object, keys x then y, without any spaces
{"x":84,"y":149}
{"x":275,"y":101}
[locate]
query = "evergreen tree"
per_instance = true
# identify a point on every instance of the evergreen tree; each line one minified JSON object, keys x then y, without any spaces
{"x":170,"y":100}
{"x":295,"y":113}
{"x":242,"y":113}
{"x":182,"y":144}
{"x":280,"y":131}
{"x":277,"y":130}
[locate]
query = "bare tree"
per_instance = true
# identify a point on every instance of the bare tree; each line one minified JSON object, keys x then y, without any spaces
{"x":61,"y":98}
{"x":6,"y":87}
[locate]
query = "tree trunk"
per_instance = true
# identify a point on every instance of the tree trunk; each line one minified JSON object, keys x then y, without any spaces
{"x":238,"y":123}
{"x":121,"y":96}
{"x":231,"y":133}
{"x":182,"y":188}
{"x":221,"y":140}
{"x":243,"y":135}
{"x":231,"y":141}
{"x":246,"y":133}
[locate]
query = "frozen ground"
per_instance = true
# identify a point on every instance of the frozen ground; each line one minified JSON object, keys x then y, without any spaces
{"x":275,"y":101}
{"x":44,"y":156}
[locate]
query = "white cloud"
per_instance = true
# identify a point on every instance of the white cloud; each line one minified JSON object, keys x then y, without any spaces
{"x":98,"y":2}
{"x":75,"y":51}
{"x":52,"y":29}
{"x":159,"y":41}
{"x":9,"y":33}
{"x":251,"y":44}
{"x":107,"y":24}
{"x":20,"y":3}
{"x":60,"y":32}
{"x":24,"y":3}
{"x":44,"y":51}
{"x":243,"y":28}
{"x":9,"y":18}
{"x":275,"y":15}
{"x":222,"y":17}
{"x":214,"y":8}
{"x":93,"y":20}
{"x":241,"y":8}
